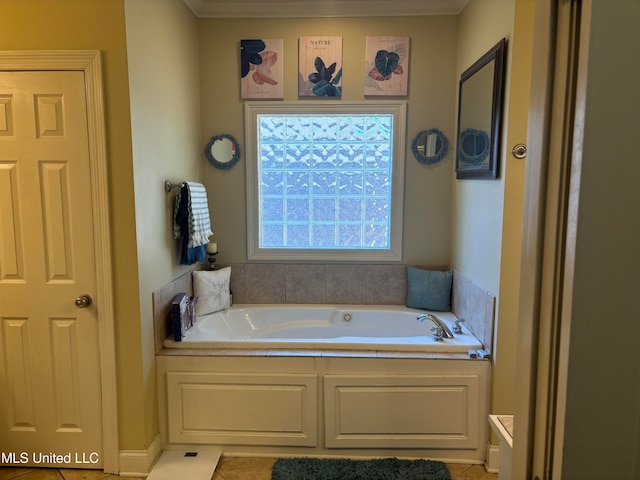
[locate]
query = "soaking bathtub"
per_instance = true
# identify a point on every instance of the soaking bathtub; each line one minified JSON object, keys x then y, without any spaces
{"x":325,"y":380}
{"x":324,"y":327}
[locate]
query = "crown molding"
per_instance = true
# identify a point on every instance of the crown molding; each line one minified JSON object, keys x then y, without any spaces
{"x":322,"y":8}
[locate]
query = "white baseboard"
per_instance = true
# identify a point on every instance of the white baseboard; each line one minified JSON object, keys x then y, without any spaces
{"x":138,"y":463}
{"x":492,"y":461}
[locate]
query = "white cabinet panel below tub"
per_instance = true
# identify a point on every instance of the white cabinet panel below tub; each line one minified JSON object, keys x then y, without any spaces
{"x":402,"y":411}
{"x":245,"y":409}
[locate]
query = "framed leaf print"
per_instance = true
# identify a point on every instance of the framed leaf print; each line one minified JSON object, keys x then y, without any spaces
{"x":320,"y":67}
{"x":386,"y":66}
{"x":261,"y":69}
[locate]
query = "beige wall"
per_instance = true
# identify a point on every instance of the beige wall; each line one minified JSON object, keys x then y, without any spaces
{"x":477,"y":204}
{"x":164,"y":83}
{"x":100,"y":25}
{"x":486,"y":225}
{"x":432,"y":87}
{"x":504,"y":372}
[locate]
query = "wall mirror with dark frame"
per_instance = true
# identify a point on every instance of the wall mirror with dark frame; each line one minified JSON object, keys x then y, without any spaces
{"x":480,"y":99}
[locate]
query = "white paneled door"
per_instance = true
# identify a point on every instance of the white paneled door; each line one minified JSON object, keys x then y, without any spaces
{"x":50,"y":388}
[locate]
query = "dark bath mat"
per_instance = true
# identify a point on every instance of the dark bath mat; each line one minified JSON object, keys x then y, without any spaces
{"x":346,"y":469}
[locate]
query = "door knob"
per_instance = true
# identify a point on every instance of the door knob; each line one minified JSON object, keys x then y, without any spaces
{"x":83,"y":301}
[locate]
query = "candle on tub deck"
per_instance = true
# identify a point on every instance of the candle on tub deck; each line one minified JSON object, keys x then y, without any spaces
{"x":212,"y":247}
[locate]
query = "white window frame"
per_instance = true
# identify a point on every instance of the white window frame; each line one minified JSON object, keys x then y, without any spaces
{"x":394,"y":252}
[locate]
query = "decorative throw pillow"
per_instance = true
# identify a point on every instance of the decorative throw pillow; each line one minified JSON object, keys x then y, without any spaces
{"x":429,"y":289}
{"x":212,"y":289}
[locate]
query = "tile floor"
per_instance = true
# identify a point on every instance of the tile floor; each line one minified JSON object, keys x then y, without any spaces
{"x":229,"y":468}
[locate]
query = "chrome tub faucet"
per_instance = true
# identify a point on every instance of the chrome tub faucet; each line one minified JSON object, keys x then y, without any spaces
{"x":446,"y":333}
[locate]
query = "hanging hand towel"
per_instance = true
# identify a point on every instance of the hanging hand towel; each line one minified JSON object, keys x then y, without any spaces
{"x":191,"y":222}
{"x":197,"y":214}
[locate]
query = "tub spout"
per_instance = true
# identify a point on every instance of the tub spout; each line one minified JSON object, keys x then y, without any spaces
{"x":446,"y":333}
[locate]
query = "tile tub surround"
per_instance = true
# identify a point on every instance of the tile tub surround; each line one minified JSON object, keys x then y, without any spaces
{"x":476,"y":305}
{"x":162,"y":299}
{"x":355,"y":284}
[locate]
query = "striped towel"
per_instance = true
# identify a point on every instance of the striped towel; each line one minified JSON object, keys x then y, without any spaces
{"x":197,"y":214}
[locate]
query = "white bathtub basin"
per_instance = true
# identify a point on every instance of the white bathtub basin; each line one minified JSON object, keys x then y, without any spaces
{"x":326,"y":327}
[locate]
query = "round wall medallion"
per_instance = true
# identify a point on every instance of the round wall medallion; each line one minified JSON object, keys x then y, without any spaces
{"x":430,"y":146}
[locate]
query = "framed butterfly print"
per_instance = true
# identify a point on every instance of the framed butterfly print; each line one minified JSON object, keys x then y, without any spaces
{"x":386,"y":66}
{"x":261,"y":69}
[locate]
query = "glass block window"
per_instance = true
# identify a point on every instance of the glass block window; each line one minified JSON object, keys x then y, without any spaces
{"x":323,"y":184}
{"x":325,"y":180}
